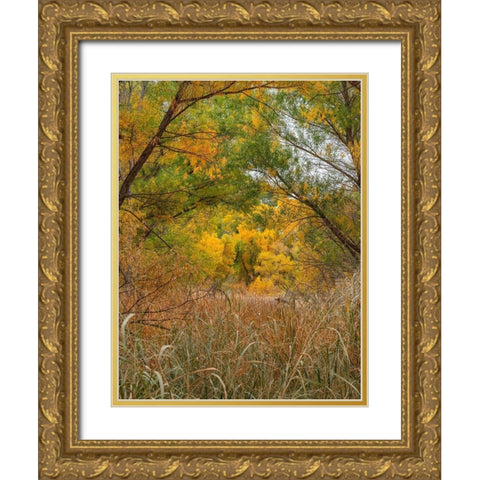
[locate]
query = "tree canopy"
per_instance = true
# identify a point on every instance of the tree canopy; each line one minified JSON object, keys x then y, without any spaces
{"x":237,"y":184}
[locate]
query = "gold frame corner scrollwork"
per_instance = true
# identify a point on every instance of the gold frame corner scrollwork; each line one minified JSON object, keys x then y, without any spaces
{"x":62,"y":25}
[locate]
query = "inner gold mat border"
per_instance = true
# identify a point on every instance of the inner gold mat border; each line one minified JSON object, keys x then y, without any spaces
{"x":115,"y":78}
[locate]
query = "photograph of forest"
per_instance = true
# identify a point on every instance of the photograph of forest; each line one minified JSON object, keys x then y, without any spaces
{"x":239,"y":239}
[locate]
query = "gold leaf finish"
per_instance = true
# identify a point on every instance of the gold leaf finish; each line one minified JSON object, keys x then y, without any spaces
{"x":416,"y":23}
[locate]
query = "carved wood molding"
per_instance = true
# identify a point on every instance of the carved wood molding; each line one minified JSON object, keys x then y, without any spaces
{"x":419,"y":457}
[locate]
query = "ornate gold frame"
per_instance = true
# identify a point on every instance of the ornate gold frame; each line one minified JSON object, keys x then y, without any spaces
{"x":416,"y":24}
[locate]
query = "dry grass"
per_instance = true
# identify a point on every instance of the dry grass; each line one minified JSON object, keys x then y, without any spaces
{"x":246,"y":347}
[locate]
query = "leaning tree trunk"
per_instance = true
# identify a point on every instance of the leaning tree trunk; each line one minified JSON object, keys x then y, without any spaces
{"x":154,"y":141}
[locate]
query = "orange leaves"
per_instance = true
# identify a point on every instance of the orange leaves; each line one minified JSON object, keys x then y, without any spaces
{"x":199,"y":148}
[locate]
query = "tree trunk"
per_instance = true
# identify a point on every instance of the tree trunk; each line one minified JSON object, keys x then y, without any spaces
{"x":349,"y":244}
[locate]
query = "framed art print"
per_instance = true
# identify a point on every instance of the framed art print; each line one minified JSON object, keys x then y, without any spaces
{"x":239,"y":239}
{"x":223,"y":271}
